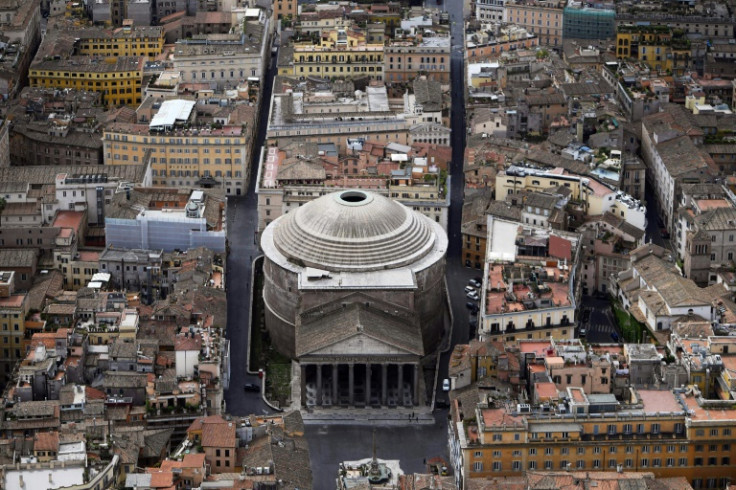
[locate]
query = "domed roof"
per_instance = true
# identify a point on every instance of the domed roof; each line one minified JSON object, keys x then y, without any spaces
{"x":354,"y":231}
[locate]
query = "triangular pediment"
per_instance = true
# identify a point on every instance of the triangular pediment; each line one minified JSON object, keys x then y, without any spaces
{"x":360,"y":329}
{"x":360,"y":344}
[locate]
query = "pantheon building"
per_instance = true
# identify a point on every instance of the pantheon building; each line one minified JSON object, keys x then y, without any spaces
{"x":354,"y":291}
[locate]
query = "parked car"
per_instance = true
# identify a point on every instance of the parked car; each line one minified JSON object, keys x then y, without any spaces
{"x":615,"y":337}
{"x":475,"y":282}
{"x":252,"y":387}
{"x":582,"y":332}
{"x":445,"y":384}
{"x":469,"y":289}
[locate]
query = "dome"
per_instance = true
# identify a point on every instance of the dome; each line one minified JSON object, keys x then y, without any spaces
{"x":354,"y":231}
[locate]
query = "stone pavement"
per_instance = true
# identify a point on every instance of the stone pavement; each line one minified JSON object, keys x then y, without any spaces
{"x":404,"y":416}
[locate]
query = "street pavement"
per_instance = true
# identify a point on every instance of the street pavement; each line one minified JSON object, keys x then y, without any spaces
{"x":601,"y":323}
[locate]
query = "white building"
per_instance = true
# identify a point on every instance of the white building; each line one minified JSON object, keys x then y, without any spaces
{"x":168,"y":229}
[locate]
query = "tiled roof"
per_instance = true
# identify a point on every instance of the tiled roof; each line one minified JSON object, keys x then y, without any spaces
{"x":219,"y":434}
{"x":46,"y":441}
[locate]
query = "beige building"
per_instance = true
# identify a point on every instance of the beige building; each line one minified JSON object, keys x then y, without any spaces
{"x":209,"y":156}
{"x":541,"y":18}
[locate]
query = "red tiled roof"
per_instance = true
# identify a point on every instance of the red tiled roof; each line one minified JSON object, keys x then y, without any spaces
{"x":69,"y":219}
{"x":560,"y":248}
{"x":46,"y":441}
{"x":161,"y":479}
{"x":218,"y":435}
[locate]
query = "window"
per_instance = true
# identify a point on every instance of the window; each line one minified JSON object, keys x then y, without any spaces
{"x":532,"y":451}
{"x":478,"y":454}
{"x":516,"y":465}
{"x":714,"y":432}
{"x":670,"y":461}
{"x":496,"y":466}
{"x":478,"y":466}
{"x":532,"y":465}
{"x":548,"y":451}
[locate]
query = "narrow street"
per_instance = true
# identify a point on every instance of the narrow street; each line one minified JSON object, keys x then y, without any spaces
{"x":242,"y":221}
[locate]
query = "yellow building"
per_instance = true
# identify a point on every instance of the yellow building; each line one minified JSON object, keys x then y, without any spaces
{"x":13,"y":310}
{"x":339,"y":53}
{"x":123,"y":41}
{"x":118,"y":79}
{"x":185,"y":157}
{"x":671,"y":434}
{"x":285,"y":9}
{"x":659,"y":46}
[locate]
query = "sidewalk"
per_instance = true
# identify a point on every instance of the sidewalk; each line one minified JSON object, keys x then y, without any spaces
{"x":369,"y":416}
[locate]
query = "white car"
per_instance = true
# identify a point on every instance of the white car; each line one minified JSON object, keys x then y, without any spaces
{"x":473,"y":295}
{"x":469,"y":289}
{"x":446,"y":384}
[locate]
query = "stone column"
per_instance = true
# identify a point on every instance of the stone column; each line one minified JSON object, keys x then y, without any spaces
{"x":351,"y":384}
{"x":319,"y":385}
{"x":335,"y":399}
{"x":416,"y":383}
{"x":367,"y":384}
{"x":384,"y":384}
{"x":401,"y":384}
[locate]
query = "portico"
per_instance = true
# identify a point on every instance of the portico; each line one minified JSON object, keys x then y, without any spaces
{"x":360,"y":382}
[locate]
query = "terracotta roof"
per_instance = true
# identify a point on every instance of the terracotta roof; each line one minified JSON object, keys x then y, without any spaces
{"x":46,"y":441}
{"x":219,"y":435}
{"x":161,"y":479}
{"x":185,"y":342}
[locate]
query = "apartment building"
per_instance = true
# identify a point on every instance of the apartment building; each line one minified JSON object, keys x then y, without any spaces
{"x":669,"y":148}
{"x":656,"y":294}
{"x":209,"y":155}
{"x":285,"y":9}
{"x":489,"y":10}
{"x":596,"y":198}
{"x":405,"y":57}
{"x":633,"y":176}
{"x":521,"y":299}
{"x":489,"y":45}
{"x":333,"y":115}
{"x":134,"y":269}
{"x":339,"y":53}
{"x":57,"y":138}
{"x":668,"y":433}
{"x":658,"y":46}
{"x":129,"y":40}
{"x":118,"y":79}
{"x":13,"y":310}
{"x":542,"y":18}
{"x":607,"y":243}
{"x":225,"y":60}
